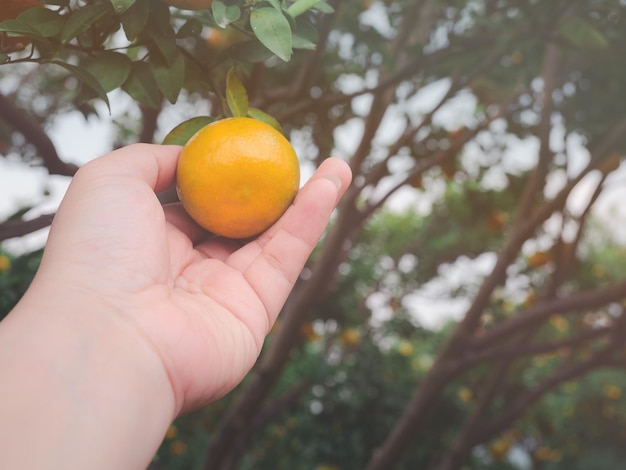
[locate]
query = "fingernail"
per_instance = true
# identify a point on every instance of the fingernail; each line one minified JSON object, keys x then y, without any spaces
{"x":335,"y":180}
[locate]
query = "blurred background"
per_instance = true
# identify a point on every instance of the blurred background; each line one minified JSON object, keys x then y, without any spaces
{"x":466,"y":308}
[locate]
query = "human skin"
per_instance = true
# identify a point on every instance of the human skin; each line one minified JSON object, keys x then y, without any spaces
{"x":136,"y":315}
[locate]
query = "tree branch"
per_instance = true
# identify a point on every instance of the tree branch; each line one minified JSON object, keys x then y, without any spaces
{"x":567,"y":305}
{"x":548,"y":74}
{"x":504,"y":419}
{"x":471,"y":358}
{"x":404,"y":73}
{"x":565,"y":253}
{"x":263,"y":418}
{"x":149,"y":121}
{"x":19,"y":228}
{"x":34,"y":134}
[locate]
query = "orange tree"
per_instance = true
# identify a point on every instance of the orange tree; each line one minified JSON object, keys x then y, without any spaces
{"x":492,"y":123}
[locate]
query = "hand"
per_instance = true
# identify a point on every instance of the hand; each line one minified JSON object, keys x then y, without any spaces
{"x":204,"y":304}
{"x":136,"y":314}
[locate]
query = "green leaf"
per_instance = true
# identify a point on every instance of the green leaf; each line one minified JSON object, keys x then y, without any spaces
{"x":304,"y":36}
{"x":134,"y":20}
{"x":47,"y":48}
{"x":300,"y":6}
{"x":223,"y":14}
{"x":248,"y":51}
{"x":111,"y":69}
{"x":302,"y":43}
{"x":218,"y":10}
{"x":81,"y":19}
{"x":275,"y":3}
{"x":160,"y":31}
{"x":46,"y":22}
{"x":262,"y":116}
{"x":142,"y":86}
{"x":273,"y":31}
{"x":87,"y":78}
{"x":236,"y":95}
{"x":582,"y":33}
{"x":323,"y":7}
{"x":121,"y":6}
{"x":18,"y":27}
{"x":170,"y":78}
{"x":181,"y":134}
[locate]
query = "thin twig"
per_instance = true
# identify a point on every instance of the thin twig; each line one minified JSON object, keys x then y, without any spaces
{"x":19,"y":228}
{"x":35,"y":134}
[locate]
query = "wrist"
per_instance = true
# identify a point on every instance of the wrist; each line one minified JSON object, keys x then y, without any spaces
{"x":83,"y":386}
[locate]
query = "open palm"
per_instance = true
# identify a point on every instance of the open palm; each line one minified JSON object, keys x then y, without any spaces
{"x":203,"y":304}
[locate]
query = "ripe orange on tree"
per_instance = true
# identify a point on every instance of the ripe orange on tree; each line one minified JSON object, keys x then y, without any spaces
{"x":221,"y":39}
{"x":350,"y":337}
{"x":497,"y":220}
{"x":237,"y":176}
{"x":540,"y":258}
{"x":190,"y":4}
{"x":9,"y":11}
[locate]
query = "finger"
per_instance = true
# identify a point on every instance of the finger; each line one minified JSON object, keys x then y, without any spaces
{"x":272,"y":263}
{"x":331,"y":170}
{"x":112,"y":196}
{"x":152,"y":164}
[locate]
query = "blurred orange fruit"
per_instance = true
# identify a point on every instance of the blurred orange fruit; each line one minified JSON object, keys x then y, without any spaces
{"x":540,"y":258}
{"x":350,"y":337}
{"x":5,"y":263}
{"x":612,"y":392}
{"x":497,"y":220}
{"x":237,"y":176}
{"x":405,"y":348}
{"x":499,"y":449}
{"x":220,"y":39}
{"x":308,"y":332}
{"x":610,"y":163}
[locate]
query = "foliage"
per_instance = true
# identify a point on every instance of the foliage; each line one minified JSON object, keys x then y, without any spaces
{"x":155,"y":60}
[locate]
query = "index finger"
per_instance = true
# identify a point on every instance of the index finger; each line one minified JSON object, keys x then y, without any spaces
{"x":153,"y":164}
{"x":272,"y":263}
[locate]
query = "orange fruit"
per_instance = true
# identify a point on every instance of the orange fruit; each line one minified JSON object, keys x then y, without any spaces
{"x":350,"y":337}
{"x":497,"y":220}
{"x":540,"y":258}
{"x":610,"y":163}
{"x":220,"y":39}
{"x":235,"y":177}
{"x":9,"y":11}
{"x":190,"y":4}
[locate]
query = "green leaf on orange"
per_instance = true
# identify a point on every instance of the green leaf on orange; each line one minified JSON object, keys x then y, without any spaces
{"x":236,"y":95}
{"x":184,"y":131}
{"x":262,"y":116}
